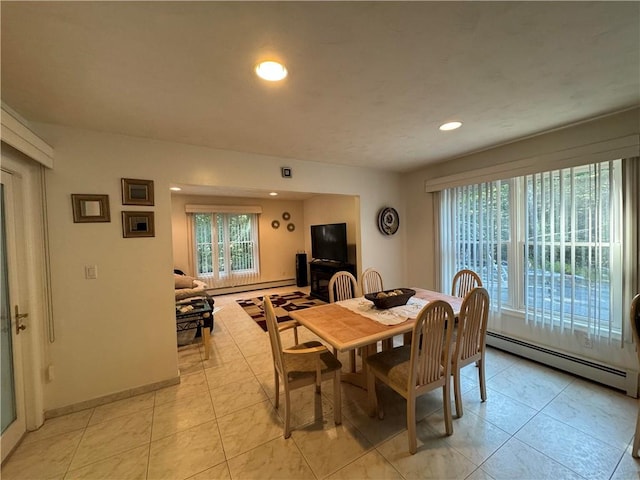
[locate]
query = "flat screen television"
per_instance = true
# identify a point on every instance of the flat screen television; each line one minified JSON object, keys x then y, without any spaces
{"x":329,"y":242}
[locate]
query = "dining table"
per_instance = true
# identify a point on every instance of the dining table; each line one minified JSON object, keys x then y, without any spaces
{"x":357,"y":324}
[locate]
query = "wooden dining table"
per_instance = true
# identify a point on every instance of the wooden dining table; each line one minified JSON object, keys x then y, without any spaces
{"x":347,"y":329}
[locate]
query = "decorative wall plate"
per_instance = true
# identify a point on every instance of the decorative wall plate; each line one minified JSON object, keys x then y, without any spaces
{"x":388,"y":221}
{"x":286,"y":216}
{"x":275,"y":224}
{"x":291,"y":227}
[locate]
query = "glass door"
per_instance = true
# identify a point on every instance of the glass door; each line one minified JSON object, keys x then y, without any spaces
{"x":11,"y":393}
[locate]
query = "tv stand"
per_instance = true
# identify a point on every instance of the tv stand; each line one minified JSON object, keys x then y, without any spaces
{"x":321,"y":272}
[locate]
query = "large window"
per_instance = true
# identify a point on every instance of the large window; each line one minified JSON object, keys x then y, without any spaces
{"x":547,"y":245}
{"x":226,"y":245}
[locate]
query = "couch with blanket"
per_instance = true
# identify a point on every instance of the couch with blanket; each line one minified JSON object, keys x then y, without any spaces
{"x":188,"y":290}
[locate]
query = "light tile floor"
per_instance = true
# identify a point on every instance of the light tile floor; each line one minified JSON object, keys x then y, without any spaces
{"x":220,"y":423}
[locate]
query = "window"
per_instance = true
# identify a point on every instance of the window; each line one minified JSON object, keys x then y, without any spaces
{"x":547,"y":245}
{"x":226,"y":245}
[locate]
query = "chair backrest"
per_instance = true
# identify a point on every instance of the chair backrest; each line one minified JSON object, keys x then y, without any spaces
{"x":472,"y":324}
{"x":431,"y":355}
{"x":342,"y":286}
{"x":635,"y":322}
{"x":274,"y":334}
{"x":371,"y":281}
{"x":463,"y":282}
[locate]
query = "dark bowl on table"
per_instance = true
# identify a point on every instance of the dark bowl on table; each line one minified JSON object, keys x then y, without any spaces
{"x":390,"y":298}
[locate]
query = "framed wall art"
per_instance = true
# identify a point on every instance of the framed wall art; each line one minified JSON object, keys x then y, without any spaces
{"x":90,"y":208}
{"x":137,"y":192}
{"x":137,"y":224}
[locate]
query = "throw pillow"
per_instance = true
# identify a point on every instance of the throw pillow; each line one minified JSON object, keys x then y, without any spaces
{"x":184,"y":281}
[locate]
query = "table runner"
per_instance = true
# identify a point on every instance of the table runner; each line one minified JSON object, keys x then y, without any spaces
{"x":389,"y":316}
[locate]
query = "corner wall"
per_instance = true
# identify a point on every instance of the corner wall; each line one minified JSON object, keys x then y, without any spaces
{"x":117,"y":333}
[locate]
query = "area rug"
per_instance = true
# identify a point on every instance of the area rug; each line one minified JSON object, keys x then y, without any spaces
{"x":282,"y":304}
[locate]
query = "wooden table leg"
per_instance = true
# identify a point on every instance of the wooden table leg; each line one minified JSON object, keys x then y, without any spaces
{"x":359,"y":378}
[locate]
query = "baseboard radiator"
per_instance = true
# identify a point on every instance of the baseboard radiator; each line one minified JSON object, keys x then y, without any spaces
{"x":251,"y":286}
{"x":625,"y":380}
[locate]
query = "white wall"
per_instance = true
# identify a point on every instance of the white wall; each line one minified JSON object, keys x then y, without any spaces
{"x":118,"y":332}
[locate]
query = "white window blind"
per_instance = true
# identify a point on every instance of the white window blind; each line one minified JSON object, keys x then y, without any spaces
{"x":547,"y":244}
{"x":572,"y":245}
{"x":225,"y":248}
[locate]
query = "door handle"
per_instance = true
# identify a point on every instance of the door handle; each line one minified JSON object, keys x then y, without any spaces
{"x":19,"y":316}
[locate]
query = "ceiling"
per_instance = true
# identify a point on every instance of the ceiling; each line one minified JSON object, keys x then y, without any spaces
{"x":369,"y":82}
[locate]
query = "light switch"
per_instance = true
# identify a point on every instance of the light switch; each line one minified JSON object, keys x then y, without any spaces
{"x":91,"y":272}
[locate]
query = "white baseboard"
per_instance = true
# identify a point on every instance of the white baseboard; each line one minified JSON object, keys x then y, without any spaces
{"x":96,"y":402}
{"x":625,"y":380}
{"x":253,"y":286}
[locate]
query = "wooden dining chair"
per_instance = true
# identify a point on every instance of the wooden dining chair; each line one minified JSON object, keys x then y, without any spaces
{"x":470,"y":341}
{"x":307,"y":363}
{"x":415,"y":369}
{"x":635,"y":327}
{"x":464,"y":281}
{"x":371,"y":281}
{"x":343,"y":286}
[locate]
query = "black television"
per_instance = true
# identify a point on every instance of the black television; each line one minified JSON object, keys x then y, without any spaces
{"x":329,"y":242}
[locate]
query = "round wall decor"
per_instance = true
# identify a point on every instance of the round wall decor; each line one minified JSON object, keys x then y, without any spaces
{"x":291,"y":227}
{"x":286,"y":216}
{"x":388,"y":220}
{"x":275,"y":224}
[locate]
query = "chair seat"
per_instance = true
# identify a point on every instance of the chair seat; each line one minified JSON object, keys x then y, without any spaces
{"x":301,"y":366}
{"x":394,"y":365}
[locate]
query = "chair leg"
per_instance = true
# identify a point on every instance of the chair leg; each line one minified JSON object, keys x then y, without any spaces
{"x":636,"y":439}
{"x":287,"y":413}
{"x":337,"y":398}
{"x":277,"y":384}
{"x":446,"y":393}
{"x":411,"y":424}
{"x":481,"y":377}
{"x":456,"y":392}
{"x":372,"y":398}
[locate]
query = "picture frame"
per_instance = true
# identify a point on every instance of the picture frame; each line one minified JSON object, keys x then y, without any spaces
{"x":137,"y":192}
{"x":137,"y":224}
{"x":90,"y":208}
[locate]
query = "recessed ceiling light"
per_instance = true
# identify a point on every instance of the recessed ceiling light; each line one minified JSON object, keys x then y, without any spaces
{"x":274,"y":194}
{"x":450,"y":126}
{"x":271,"y":71}
{"x":175,"y":189}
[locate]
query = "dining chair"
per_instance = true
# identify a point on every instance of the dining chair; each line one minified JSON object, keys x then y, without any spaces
{"x":307,"y":363}
{"x":464,"y":281}
{"x":371,"y":281}
{"x":470,"y":341}
{"x":343,"y":286}
{"x":635,"y":327}
{"x":415,"y":369}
